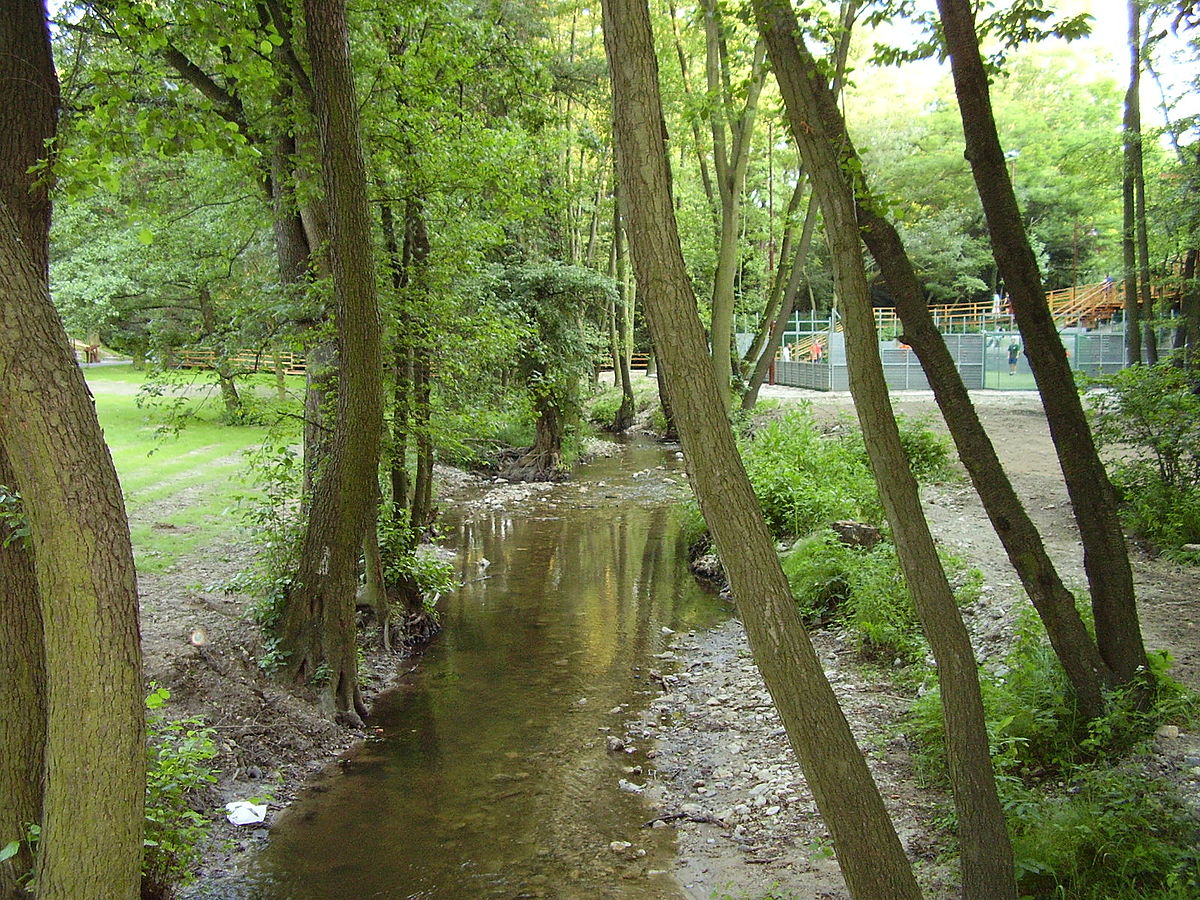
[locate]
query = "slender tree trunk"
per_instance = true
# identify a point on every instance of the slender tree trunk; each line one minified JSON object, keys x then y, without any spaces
{"x":317,"y":626}
{"x":987,"y":860}
{"x":787,"y":306}
{"x":869,"y":852}
{"x":1132,"y":166}
{"x":208,"y":322}
{"x":623,"y":418}
{"x":1146,"y":299}
{"x":22,"y":694}
{"x":1055,"y":604}
{"x":779,"y":282}
{"x":423,"y":512}
{"x":374,"y":591}
{"x":1106,"y":559}
{"x":1190,"y":310}
{"x":92,"y":759}
{"x":731,"y":154}
{"x":401,"y":365}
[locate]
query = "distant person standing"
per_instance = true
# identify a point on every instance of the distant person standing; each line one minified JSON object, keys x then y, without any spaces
{"x":1014,"y":350}
{"x":816,"y":351}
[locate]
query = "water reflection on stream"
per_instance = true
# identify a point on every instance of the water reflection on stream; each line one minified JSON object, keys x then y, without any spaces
{"x":492,"y":778}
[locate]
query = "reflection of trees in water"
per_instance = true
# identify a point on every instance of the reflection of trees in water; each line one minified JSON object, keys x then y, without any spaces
{"x":493,"y":778}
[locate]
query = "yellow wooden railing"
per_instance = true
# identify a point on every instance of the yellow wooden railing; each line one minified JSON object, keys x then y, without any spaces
{"x":242,"y":361}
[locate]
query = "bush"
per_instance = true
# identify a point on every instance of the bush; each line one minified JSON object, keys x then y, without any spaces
{"x":862,"y":590}
{"x":177,"y":770}
{"x":928,"y":452}
{"x":1150,"y":417}
{"x":1111,"y":834}
{"x":1082,"y":827}
{"x":805,"y":480}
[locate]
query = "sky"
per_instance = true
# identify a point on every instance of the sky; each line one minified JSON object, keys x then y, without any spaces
{"x":1103,"y":52}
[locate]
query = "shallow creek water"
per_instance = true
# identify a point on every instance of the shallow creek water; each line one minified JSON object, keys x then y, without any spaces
{"x":491,"y":777}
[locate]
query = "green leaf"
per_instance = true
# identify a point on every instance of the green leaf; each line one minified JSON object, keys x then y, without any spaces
{"x":10,"y":850}
{"x":146,"y":236}
{"x":266,"y":47}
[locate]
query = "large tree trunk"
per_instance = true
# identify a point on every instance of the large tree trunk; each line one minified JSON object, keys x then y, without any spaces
{"x":987,"y":861}
{"x":317,"y":627}
{"x":93,"y":755}
{"x":1105,"y":557}
{"x":22,"y":693}
{"x":869,"y":852}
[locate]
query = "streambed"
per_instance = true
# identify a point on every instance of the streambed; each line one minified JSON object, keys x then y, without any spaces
{"x":491,"y":773}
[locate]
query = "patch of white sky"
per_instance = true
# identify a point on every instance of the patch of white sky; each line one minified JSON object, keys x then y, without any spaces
{"x":1103,"y":54}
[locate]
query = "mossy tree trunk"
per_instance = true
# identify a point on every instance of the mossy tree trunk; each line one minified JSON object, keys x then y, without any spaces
{"x":93,"y":756}
{"x":22,"y":694}
{"x":317,"y":626}
{"x":868,"y":849}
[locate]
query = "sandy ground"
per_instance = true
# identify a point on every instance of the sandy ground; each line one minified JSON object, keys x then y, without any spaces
{"x":726,"y":778}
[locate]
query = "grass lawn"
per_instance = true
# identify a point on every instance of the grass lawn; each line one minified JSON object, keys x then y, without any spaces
{"x":180,"y":484}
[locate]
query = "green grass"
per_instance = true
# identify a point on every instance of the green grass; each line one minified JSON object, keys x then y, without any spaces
{"x":180,"y":485}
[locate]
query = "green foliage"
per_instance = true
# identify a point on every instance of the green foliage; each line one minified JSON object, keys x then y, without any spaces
{"x":1149,"y":416}
{"x":405,"y":564}
{"x":13,"y":518}
{"x":804,"y":479}
{"x":864,"y":591}
{"x":178,"y":753}
{"x":1107,"y":834}
{"x":272,"y":513}
{"x":1085,"y":824}
{"x":928,"y":452}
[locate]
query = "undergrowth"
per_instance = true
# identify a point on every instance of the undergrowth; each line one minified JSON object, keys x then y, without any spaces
{"x":178,"y":770}
{"x":1087,"y":821}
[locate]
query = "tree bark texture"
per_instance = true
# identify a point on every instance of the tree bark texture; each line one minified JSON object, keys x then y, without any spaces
{"x":870,"y":853}
{"x":22,"y":696}
{"x":317,"y":627}
{"x":987,"y":861}
{"x":94,"y":755}
{"x":1105,"y":557}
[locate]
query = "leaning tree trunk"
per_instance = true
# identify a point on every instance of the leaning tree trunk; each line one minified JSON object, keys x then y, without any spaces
{"x":869,"y":852}
{"x":93,"y":758}
{"x":317,"y":625}
{"x":1055,"y":604}
{"x":987,"y":860}
{"x":1105,"y":557}
{"x":22,"y":692}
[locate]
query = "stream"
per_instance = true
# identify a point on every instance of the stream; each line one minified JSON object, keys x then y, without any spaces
{"x":492,"y":774}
